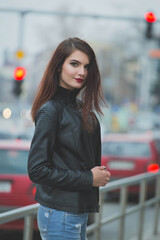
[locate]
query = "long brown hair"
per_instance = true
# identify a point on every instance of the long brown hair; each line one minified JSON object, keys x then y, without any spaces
{"x":92,"y":96}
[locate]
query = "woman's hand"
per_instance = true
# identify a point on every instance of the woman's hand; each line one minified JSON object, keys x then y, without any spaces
{"x":100,"y":176}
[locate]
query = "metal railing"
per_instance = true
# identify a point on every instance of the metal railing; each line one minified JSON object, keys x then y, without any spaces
{"x":29,"y":212}
{"x":123,"y":184}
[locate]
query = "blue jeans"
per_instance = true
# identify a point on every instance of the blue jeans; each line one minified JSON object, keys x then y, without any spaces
{"x":58,"y":225}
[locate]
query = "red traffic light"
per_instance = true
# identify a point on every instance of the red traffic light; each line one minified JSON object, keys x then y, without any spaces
{"x":150,"y":17}
{"x":19,"y":73}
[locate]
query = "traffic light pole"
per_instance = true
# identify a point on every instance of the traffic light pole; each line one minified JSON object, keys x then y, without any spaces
{"x":62,"y":14}
{"x":21,"y":30}
{"x":147,"y":73}
{"x":75,"y":15}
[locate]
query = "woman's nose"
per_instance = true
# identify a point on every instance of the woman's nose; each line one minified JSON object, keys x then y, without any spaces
{"x":82,"y":71}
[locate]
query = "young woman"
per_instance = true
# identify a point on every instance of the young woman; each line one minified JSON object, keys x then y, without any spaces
{"x":65,"y":154}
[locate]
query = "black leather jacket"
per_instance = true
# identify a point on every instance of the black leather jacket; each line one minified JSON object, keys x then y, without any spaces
{"x":62,"y":154}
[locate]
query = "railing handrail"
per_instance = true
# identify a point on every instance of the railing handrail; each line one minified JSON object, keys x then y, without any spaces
{"x":18,"y":213}
{"x":128,"y":181}
{"x":28,"y":212}
{"x":32,"y":209}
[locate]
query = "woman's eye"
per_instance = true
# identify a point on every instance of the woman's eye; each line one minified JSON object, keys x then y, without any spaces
{"x":74,"y":64}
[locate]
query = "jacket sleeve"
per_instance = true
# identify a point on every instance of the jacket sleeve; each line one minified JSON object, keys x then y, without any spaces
{"x":40,"y":167}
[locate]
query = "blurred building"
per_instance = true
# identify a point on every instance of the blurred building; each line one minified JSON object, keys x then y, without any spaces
{"x":119,"y":71}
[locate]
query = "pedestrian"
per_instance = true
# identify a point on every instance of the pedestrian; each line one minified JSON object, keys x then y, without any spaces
{"x":65,"y":154}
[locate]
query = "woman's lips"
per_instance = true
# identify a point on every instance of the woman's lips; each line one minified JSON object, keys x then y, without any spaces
{"x":79,"y":80}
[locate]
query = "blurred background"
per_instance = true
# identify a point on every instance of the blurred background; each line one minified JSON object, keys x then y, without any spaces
{"x":126,"y":45}
{"x":125,"y":36}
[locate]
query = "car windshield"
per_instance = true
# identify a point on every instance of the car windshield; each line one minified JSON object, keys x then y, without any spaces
{"x":13,"y":161}
{"x":126,"y":149}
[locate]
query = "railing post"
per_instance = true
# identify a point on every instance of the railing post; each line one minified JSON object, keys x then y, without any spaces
{"x":123,"y":201}
{"x":142,"y":208}
{"x":97,"y":234}
{"x":156,"y":219}
{"x":28,"y":227}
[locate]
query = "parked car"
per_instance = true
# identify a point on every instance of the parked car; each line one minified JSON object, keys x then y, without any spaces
{"x":25,"y":134}
{"x":16,"y":189}
{"x":6,"y":135}
{"x":127,"y":154}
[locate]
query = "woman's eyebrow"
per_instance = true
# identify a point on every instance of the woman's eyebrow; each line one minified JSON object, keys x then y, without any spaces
{"x":74,"y":60}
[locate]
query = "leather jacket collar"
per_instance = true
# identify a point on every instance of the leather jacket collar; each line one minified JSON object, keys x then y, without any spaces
{"x":66,"y":96}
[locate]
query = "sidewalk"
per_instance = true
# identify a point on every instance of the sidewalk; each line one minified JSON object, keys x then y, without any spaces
{"x":157,"y":237}
{"x":153,"y":237}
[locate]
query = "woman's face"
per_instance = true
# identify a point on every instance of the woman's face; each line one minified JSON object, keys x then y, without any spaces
{"x":74,"y":71}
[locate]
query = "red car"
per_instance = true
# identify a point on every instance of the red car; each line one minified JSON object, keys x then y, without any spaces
{"x":126,"y":155}
{"x":16,"y":189}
